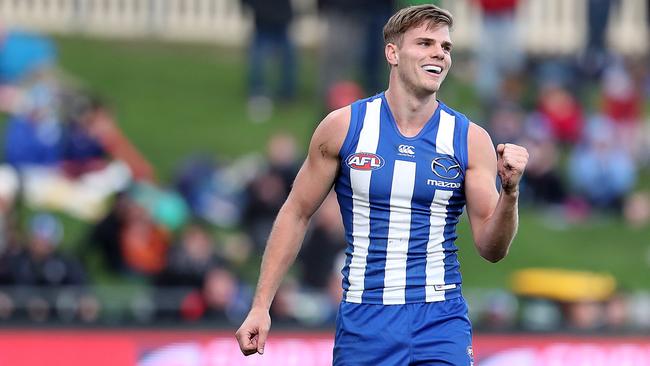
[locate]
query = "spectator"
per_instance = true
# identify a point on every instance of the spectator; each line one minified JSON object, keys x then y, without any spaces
{"x":33,"y":134}
{"x":211,"y":192}
{"x":92,"y":140}
{"x":596,"y":55}
{"x":130,"y":240}
{"x":226,"y":298}
{"x":496,"y":64}
{"x":52,"y":280}
{"x":35,"y":266}
{"x":283,"y":157}
{"x":506,"y":123}
{"x":622,"y":103}
{"x":636,"y":210}
{"x":267,"y":191}
{"x":322,"y":246}
{"x":600,"y":171}
{"x":189,"y":260}
{"x":271,"y":41}
{"x":560,"y":113}
{"x":351,"y":23}
{"x":73,"y":167}
{"x":271,"y":37}
{"x":542,"y":183}
{"x":617,"y":312}
{"x":105,"y":235}
{"x":180,"y":283}
{"x":143,"y":242}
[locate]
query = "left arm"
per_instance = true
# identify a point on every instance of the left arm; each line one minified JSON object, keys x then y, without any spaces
{"x":493,"y":215}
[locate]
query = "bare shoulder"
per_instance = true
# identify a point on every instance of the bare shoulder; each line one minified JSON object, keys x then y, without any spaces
{"x":330,"y":133}
{"x":479,"y":145}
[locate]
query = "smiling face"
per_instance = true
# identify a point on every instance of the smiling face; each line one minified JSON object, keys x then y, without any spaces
{"x":422,"y":58}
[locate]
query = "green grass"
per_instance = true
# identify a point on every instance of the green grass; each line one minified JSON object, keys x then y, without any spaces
{"x":605,"y":245}
{"x":173,"y":100}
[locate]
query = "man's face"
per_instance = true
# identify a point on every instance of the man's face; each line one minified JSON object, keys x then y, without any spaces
{"x":424,"y":58}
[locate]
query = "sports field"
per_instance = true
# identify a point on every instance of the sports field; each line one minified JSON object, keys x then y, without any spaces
{"x":173,"y":100}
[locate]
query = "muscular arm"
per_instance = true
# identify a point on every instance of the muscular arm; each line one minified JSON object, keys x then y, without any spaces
{"x":493,"y":215}
{"x":311,"y":186}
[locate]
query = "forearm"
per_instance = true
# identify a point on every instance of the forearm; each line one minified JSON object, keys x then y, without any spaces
{"x":281,"y":250}
{"x":493,"y":242}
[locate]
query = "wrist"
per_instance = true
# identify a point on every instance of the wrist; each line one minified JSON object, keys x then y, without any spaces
{"x":259,"y":305}
{"x":510,"y":191}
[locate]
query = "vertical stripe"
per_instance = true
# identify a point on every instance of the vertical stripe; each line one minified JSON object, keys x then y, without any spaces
{"x":435,"y":268}
{"x":452,"y":266}
{"x":435,"y":252}
{"x":399,"y":232}
{"x":445,"y":138}
{"x":360,"y":182}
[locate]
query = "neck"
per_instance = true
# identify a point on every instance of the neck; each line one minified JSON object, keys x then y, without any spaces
{"x":411,"y":111}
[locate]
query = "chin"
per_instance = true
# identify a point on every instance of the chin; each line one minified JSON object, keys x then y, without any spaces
{"x":430,"y":89}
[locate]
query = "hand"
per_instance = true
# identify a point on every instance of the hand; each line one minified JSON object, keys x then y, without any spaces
{"x":511,"y":162}
{"x":253,"y":332}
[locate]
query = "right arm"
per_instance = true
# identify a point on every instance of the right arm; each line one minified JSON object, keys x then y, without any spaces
{"x":311,"y":186}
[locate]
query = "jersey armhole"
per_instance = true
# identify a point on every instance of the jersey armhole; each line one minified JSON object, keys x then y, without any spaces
{"x":464,"y":151}
{"x":460,"y":141}
{"x":353,"y":129}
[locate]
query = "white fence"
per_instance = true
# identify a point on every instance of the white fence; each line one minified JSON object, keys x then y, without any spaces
{"x":546,"y":26}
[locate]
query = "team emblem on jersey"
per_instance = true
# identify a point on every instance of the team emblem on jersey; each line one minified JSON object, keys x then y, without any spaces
{"x":445,"y":167}
{"x":365,"y":161}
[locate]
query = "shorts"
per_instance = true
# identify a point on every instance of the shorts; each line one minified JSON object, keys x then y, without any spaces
{"x":434,"y":333}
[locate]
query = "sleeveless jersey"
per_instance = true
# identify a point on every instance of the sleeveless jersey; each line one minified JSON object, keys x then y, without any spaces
{"x":400,"y":199}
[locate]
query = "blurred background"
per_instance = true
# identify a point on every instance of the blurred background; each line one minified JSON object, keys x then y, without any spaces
{"x":147,"y":146}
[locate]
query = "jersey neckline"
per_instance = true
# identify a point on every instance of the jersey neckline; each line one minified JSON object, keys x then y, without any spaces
{"x":427,"y":126}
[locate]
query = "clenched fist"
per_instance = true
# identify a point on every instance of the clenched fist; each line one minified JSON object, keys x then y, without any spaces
{"x":252,"y":334}
{"x":511,"y":163}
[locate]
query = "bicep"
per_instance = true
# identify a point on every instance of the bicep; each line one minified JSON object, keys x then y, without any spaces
{"x":480,"y":180}
{"x":313,"y":183}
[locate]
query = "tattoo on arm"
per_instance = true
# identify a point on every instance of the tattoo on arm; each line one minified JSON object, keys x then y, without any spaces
{"x":323,"y":149}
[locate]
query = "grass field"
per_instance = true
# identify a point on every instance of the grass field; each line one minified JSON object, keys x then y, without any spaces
{"x":173,"y":100}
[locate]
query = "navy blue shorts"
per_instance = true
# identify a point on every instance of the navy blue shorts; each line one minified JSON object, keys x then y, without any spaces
{"x":435,"y":333}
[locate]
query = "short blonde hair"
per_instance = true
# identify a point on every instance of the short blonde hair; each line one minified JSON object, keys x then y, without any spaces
{"x":412,"y":17}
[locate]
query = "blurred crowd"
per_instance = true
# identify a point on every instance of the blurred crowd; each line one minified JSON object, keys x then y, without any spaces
{"x":187,"y":250}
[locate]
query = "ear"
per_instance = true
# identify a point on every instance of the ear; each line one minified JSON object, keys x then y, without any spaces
{"x":392,"y":54}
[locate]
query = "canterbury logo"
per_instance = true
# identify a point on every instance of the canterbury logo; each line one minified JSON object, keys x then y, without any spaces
{"x":406,"y":149}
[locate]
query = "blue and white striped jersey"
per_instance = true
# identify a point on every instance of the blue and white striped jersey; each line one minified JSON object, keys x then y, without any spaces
{"x":400,"y":199}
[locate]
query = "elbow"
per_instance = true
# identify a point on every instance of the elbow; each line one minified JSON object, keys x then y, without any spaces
{"x":493,"y":256}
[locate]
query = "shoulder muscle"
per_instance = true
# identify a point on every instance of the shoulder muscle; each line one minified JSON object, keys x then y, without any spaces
{"x":481,"y":153}
{"x":330,"y":133}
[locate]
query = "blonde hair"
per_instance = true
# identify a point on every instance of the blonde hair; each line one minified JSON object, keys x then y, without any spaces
{"x":412,"y":17}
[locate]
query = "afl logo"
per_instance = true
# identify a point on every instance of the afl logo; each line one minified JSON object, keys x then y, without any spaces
{"x":365,"y":161}
{"x":445,"y":168}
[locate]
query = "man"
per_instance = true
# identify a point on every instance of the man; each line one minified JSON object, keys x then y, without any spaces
{"x":403,"y":165}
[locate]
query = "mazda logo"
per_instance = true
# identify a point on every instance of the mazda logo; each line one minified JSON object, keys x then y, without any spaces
{"x":445,"y":167}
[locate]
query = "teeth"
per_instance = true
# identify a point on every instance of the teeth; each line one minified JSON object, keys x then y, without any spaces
{"x":432,"y":68}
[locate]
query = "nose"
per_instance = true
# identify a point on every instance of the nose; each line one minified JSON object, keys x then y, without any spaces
{"x":437,"y":52}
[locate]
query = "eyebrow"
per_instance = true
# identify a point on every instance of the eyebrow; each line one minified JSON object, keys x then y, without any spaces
{"x":427,"y":39}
